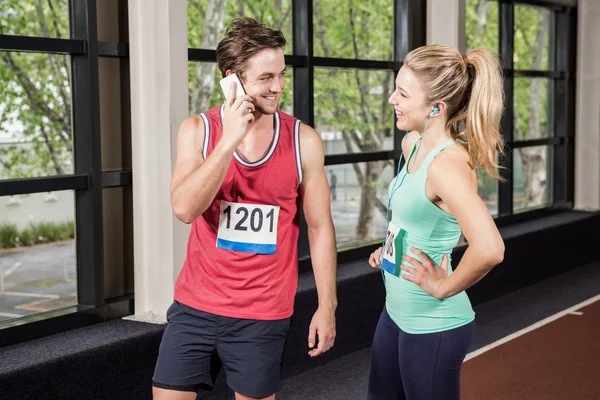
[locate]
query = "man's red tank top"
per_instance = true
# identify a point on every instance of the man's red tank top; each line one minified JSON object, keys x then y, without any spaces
{"x":242,"y":252}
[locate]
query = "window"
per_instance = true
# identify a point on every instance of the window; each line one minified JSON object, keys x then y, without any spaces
{"x":51,"y":178}
{"x":533,"y":38}
{"x":533,"y":109}
{"x":482,"y":24}
{"x":352,"y":111}
{"x":359,"y":198}
{"x":37,"y":253}
{"x":37,"y":230}
{"x":35,"y":127}
{"x":536,"y":61}
{"x":49,"y":19}
{"x":207,"y":20}
{"x":487,"y":187}
{"x":533,"y":54}
{"x":353,"y":30}
{"x":532,"y":177}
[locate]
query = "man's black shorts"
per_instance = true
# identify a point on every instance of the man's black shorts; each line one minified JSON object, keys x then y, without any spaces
{"x":196,"y":344}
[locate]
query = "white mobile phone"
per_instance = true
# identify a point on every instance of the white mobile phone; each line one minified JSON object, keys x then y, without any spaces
{"x":226,"y":84}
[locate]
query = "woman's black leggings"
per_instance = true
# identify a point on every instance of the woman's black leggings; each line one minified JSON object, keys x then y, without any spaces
{"x":417,"y":366}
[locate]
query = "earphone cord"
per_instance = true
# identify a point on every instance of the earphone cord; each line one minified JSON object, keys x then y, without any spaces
{"x":394,"y":188}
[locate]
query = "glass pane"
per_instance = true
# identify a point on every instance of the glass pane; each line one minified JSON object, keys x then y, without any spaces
{"x":532,"y":38}
{"x":206,"y":93}
{"x":359,"y":195}
{"x":274,"y":14}
{"x":37,"y":253}
{"x":487,"y":187}
{"x":352,"y":112}
{"x":482,"y":24}
{"x":35,"y":115}
{"x":48,"y":18}
{"x":533,"y":108}
{"x":532,"y":177}
{"x":360,"y":30}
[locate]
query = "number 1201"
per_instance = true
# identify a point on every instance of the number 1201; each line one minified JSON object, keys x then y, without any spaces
{"x":256,"y":219}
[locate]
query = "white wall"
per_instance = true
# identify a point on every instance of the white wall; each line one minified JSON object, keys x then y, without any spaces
{"x":159,"y":104}
{"x":446,"y":23}
{"x":587,"y":134}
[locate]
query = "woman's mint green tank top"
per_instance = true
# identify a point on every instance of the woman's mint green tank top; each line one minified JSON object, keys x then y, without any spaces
{"x":423,"y":225}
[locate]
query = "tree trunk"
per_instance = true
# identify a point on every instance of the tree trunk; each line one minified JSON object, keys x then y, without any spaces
{"x":534,"y":158}
{"x":368,"y":192}
{"x":481,"y":10}
{"x":205,"y":72}
{"x":534,"y":175}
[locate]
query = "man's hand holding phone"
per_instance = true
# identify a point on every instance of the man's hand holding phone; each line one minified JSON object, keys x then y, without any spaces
{"x":237,"y":116}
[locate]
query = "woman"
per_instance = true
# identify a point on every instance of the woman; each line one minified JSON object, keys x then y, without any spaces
{"x":451,"y":105}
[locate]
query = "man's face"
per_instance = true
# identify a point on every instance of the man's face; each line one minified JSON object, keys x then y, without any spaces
{"x":264,"y":79}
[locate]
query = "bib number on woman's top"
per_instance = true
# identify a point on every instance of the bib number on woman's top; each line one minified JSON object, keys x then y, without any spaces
{"x":389,"y":250}
{"x":250,"y":228}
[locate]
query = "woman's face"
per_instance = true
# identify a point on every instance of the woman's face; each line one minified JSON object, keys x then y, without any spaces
{"x":409,"y":101}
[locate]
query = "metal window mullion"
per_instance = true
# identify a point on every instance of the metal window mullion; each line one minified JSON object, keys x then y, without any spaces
{"x":114,"y":179}
{"x":506,"y":42}
{"x":550,"y":4}
{"x":537,"y":142}
{"x":329,"y":62}
{"x":113,"y":49}
{"x":520,"y":73}
{"x":410,"y":23}
{"x":401,"y":49}
{"x":41,"y":45}
{"x":87,"y":149}
{"x":557,"y":166}
{"x":303,"y":85}
{"x":12,"y":187}
{"x":571,"y":35}
{"x":302,"y":25}
{"x":353,"y":158}
{"x":563,"y":165}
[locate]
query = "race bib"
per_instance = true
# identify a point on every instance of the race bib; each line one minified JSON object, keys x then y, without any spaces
{"x":389,"y":249}
{"x":249,"y":228}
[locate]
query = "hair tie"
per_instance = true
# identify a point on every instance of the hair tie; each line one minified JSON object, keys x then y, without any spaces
{"x":466,"y":59}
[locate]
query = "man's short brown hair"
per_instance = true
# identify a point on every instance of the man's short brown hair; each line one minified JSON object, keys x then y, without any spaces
{"x":244,"y":38}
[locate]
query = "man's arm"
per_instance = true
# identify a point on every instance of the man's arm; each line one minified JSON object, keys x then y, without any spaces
{"x":195,"y":181}
{"x":314,"y":191}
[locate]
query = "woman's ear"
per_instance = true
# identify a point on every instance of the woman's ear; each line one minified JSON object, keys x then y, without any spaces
{"x":438,"y":109}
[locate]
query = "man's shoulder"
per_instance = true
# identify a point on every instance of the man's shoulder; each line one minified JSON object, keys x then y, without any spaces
{"x":286,"y":117}
{"x":214,"y":113}
{"x":210,"y":117}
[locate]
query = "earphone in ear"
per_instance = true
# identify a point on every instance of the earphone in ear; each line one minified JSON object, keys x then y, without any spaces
{"x":434,"y":110}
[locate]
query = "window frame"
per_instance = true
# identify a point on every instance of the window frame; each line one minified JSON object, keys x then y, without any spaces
{"x":87,"y":181}
{"x":561,"y":71}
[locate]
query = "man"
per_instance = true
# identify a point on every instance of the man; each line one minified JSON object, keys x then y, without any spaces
{"x":333,"y":186}
{"x":242,"y":171}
